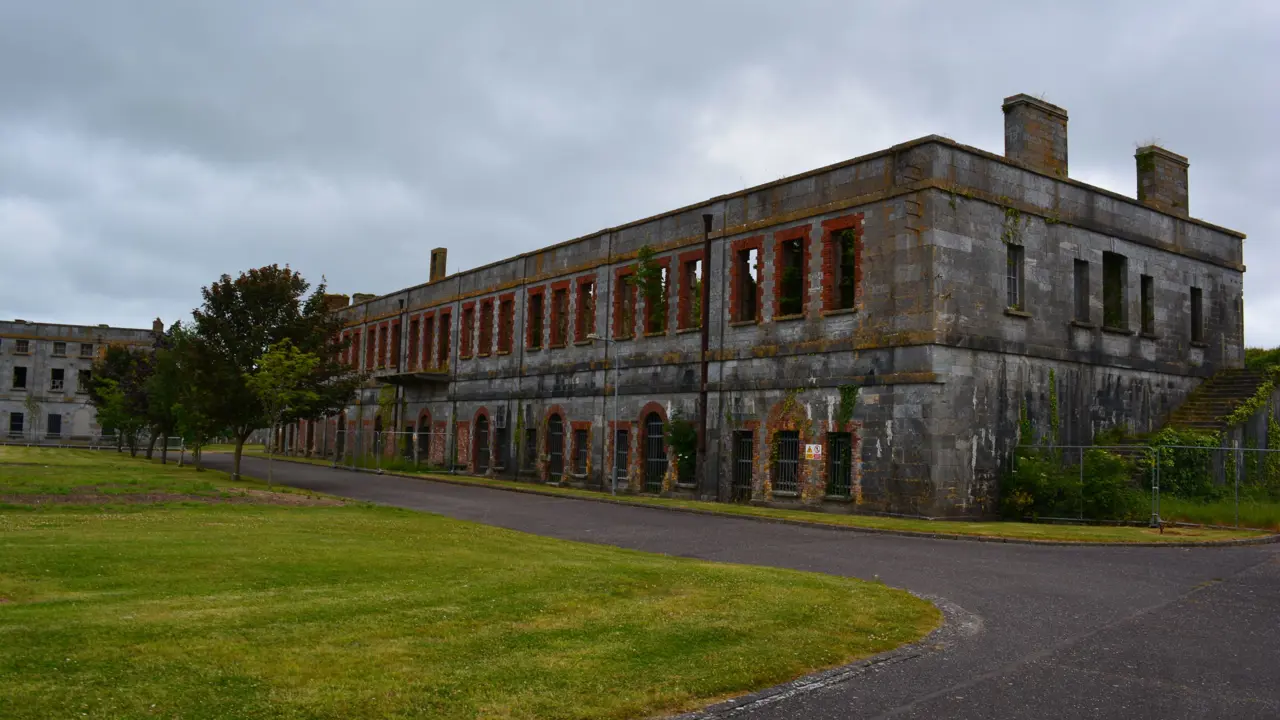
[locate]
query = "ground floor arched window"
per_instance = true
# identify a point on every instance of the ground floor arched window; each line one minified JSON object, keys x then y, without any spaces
{"x":655,"y":453}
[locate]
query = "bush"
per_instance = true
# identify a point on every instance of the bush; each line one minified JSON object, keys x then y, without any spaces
{"x":1040,"y":484}
{"x":1186,"y":463}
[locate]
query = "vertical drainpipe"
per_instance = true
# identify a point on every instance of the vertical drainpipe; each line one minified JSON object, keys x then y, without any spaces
{"x":724,"y":313}
{"x":703,"y":476}
{"x":518,"y":339}
{"x":454,"y":312}
{"x":606,"y":436}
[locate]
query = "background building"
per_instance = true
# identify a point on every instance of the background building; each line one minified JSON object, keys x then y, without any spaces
{"x":44,"y":376}
{"x":880,"y":332}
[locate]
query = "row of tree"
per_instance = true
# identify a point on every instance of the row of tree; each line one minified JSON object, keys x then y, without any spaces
{"x":258,"y":352}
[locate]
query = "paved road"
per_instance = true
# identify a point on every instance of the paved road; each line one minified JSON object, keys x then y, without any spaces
{"x":1037,"y":632}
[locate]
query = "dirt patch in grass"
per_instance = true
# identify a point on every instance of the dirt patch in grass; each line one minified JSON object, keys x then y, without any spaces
{"x":93,"y":495}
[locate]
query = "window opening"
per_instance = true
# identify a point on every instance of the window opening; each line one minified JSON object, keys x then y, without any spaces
{"x":1197,"y":315}
{"x":1013,"y":276}
{"x":580,"y":449}
{"x":486,"y":327}
{"x":506,"y":323}
{"x":586,"y":310}
{"x":840,"y":473}
{"x":535,"y":321}
{"x":559,"y":317}
{"x":1081,"y":277}
{"x":791,"y":277}
{"x":786,"y":466}
{"x":1113,"y":295}
{"x":846,"y":269}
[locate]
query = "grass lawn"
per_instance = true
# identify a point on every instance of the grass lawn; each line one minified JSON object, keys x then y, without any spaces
{"x":207,"y":609}
{"x":993,"y":529}
{"x":1253,"y":512}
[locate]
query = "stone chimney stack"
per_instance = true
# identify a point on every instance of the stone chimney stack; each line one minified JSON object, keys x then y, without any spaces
{"x":157,"y":327}
{"x":438,"y":256}
{"x":1035,"y":134}
{"x":335,"y":302}
{"x":1162,"y":180}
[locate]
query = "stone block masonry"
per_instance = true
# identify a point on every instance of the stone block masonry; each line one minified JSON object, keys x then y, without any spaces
{"x":45,"y":373}
{"x":900,"y":310}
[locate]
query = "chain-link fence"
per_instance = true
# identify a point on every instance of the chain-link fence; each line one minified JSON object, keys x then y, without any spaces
{"x":387,"y":450}
{"x":91,"y":441}
{"x":1210,"y":485}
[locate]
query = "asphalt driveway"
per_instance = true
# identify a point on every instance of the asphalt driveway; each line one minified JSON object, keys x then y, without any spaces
{"x":1035,"y":631}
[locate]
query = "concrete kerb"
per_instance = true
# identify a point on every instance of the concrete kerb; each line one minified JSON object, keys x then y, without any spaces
{"x":957,"y":624}
{"x":1264,"y":540}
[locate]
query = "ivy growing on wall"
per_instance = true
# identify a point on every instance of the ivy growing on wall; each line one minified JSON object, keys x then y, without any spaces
{"x":648,"y":277}
{"x":848,"y":402}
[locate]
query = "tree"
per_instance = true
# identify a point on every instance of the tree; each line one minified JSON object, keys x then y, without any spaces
{"x":162,"y":387}
{"x":119,"y":391}
{"x":283,"y":383}
{"x":196,"y":406}
{"x":240,"y":320}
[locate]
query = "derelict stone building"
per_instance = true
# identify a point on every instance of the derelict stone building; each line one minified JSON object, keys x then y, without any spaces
{"x":44,"y":377}
{"x":902,"y":311}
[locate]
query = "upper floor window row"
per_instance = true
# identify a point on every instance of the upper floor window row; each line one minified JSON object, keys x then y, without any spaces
{"x":1115,"y":295}
{"x":22,"y":346}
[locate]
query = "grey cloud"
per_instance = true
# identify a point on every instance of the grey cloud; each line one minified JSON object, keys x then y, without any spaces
{"x":150,"y":146}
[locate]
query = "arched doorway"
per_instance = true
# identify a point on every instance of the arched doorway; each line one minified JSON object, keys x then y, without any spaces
{"x":655,"y":453}
{"x":555,"y":448}
{"x":480,"y":438}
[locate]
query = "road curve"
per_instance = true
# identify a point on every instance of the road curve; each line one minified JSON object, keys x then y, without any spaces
{"x":1037,"y":632}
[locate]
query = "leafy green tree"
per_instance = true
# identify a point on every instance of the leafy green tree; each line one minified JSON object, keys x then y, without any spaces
{"x":180,"y":393}
{"x":283,"y":383}
{"x":162,"y":393}
{"x":239,"y":322}
{"x":119,"y":392}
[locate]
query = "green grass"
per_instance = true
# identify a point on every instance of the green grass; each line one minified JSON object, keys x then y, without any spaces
{"x":1254,"y":513}
{"x":992,"y":529}
{"x":257,"y":611}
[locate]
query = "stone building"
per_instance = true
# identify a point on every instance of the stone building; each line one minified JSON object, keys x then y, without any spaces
{"x":876,"y":331}
{"x":44,"y":377}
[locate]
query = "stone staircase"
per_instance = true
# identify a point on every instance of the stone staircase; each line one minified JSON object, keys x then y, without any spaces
{"x":1208,"y":405}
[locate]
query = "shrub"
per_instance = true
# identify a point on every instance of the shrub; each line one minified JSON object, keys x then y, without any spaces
{"x":1040,"y":484}
{"x":1186,"y":460}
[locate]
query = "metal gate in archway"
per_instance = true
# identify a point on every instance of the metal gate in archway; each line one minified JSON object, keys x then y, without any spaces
{"x":481,"y":439}
{"x":655,"y":453}
{"x":555,"y":448}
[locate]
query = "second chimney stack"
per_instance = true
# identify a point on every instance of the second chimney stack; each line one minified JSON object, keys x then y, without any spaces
{"x":438,"y":256}
{"x":1162,"y":180}
{"x":1035,"y":134}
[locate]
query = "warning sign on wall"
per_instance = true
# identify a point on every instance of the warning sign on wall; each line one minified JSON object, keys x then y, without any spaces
{"x":812,"y":452}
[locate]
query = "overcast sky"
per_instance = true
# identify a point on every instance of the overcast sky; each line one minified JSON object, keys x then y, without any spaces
{"x":147,"y":147}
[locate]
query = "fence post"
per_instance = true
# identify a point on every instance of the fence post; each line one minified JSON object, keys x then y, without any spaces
{"x":1081,"y":482}
{"x":1155,"y":490}
{"x":1239,"y":463}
